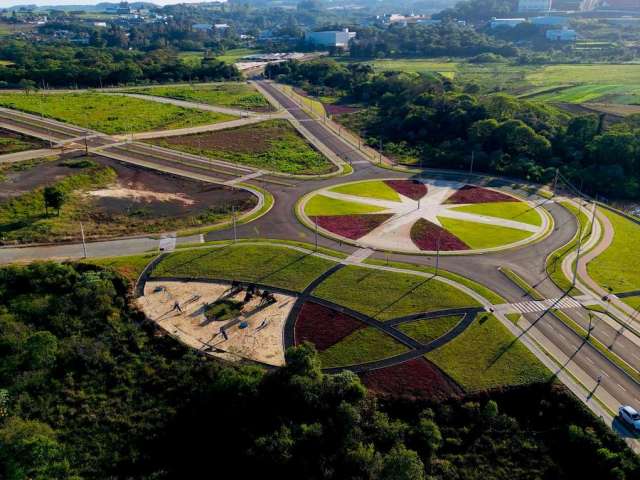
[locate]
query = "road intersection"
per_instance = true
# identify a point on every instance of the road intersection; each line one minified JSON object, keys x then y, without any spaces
{"x":593,"y":377}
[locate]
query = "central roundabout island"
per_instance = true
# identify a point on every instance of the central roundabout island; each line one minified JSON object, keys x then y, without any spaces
{"x":424,"y":216}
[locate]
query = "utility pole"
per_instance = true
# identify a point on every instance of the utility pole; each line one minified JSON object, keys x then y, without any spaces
{"x":86,"y":146}
{"x":575,"y":270}
{"x":473,"y":152}
{"x":84,"y":244}
{"x":316,"y":235}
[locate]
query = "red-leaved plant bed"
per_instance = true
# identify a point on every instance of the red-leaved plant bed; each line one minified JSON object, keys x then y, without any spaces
{"x":417,"y":378}
{"x":351,"y":226}
{"x":425,"y":234}
{"x":472,"y":194}
{"x":323,"y":326}
{"x":413,"y":189}
{"x":339,"y":109}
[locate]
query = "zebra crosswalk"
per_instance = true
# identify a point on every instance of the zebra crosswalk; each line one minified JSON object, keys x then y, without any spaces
{"x":542,"y":305}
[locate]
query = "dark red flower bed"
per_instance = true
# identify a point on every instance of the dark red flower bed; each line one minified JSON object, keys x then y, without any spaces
{"x":413,"y":189}
{"x":472,"y":194}
{"x":417,"y":378}
{"x":351,"y":226}
{"x":323,"y":326}
{"x":339,"y":109}
{"x":424,"y":235}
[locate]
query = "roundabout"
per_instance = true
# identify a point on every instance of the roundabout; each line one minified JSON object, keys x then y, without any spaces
{"x":424,"y":216}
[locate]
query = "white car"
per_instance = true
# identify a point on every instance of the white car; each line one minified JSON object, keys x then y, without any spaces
{"x":630,"y":415}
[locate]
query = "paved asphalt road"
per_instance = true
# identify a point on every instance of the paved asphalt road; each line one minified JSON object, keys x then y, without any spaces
{"x":529,"y":261}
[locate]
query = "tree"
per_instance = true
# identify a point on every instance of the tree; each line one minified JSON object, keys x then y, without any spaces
{"x":54,"y":198}
{"x":27,"y":85}
{"x":402,"y":464}
{"x":41,"y":349}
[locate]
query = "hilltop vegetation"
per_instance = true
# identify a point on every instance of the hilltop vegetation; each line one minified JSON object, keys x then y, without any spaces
{"x":431,"y":121}
{"x":90,"y":391}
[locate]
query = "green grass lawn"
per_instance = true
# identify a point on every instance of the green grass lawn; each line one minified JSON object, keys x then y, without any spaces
{"x":486,"y":355}
{"x":480,"y":235}
{"x":272,"y":145}
{"x":319,"y":205}
{"x":386,"y":295}
{"x":583,"y":93}
{"x":601,"y":74}
{"x":110,"y":114}
{"x":237,"y":94}
{"x":130,"y":266}
{"x":371,"y":189}
{"x":516,"y":211}
{"x":234,"y":54}
{"x":615,"y":268}
{"x":364,"y":345}
{"x":427,"y":330}
{"x":191,"y":58}
{"x":269,"y":265}
{"x":633,"y":302}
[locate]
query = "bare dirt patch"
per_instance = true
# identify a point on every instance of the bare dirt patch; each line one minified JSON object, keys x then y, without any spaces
{"x":22,"y":177}
{"x":256,"y":334}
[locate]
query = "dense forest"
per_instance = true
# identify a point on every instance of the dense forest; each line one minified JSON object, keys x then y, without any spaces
{"x":88,"y":389}
{"x":69,"y":66}
{"x":432,"y":121}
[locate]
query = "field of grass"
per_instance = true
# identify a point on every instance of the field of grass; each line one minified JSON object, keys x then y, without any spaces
{"x":486,"y":355}
{"x":319,"y":205}
{"x":370,"y":189}
{"x":516,"y":211}
{"x":269,"y":265}
{"x":235,"y":54}
{"x":11,"y":143}
{"x":238,"y":95}
{"x":615,"y":268}
{"x":272,"y":145}
{"x":191,"y":58}
{"x":479,"y":235}
{"x":110,"y":114}
{"x":386,"y":295}
{"x":584,"y":93}
{"x":129,"y":267}
{"x":364,"y":345}
{"x":427,"y":330}
{"x":445,"y":68}
{"x":600,"y":74}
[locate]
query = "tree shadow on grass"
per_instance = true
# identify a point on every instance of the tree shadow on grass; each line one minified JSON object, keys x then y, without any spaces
{"x":403,"y":296}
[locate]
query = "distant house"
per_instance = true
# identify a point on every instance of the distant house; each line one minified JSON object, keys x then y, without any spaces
{"x":506,"y":22}
{"x":534,"y":5}
{"x":549,"y":20}
{"x":336,"y":38}
{"x":202,"y":27}
{"x":220,"y":26}
{"x":562,"y":35}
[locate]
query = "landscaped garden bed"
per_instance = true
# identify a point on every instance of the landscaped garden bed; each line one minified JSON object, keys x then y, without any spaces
{"x":413,"y":189}
{"x":351,"y":226}
{"x":474,"y":194}
{"x":431,"y":237}
{"x":323,"y":326}
{"x":417,"y":378}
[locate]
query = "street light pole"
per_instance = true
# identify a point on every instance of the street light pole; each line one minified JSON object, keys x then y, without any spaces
{"x":575,"y":269}
{"x":84,"y":244}
{"x":473,"y":152}
{"x":437,"y":254}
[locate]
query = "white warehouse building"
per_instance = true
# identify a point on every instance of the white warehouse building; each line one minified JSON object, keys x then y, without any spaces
{"x":337,"y":38}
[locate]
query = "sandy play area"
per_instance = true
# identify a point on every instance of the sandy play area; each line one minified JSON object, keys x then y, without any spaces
{"x":256,"y":334}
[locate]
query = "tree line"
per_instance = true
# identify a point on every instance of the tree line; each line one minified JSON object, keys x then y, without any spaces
{"x":65,"y":65}
{"x":432,"y":121}
{"x":89,"y":389}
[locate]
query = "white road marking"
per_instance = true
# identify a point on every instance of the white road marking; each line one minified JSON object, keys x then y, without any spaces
{"x":621,"y":387}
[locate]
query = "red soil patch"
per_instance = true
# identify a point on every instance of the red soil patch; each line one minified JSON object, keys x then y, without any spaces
{"x":413,"y":189}
{"x":351,"y":226}
{"x":425,"y":236}
{"x":417,"y":378}
{"x":472,"y":194}
{"x":339,"y":109}
{"x":323,"y":326}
